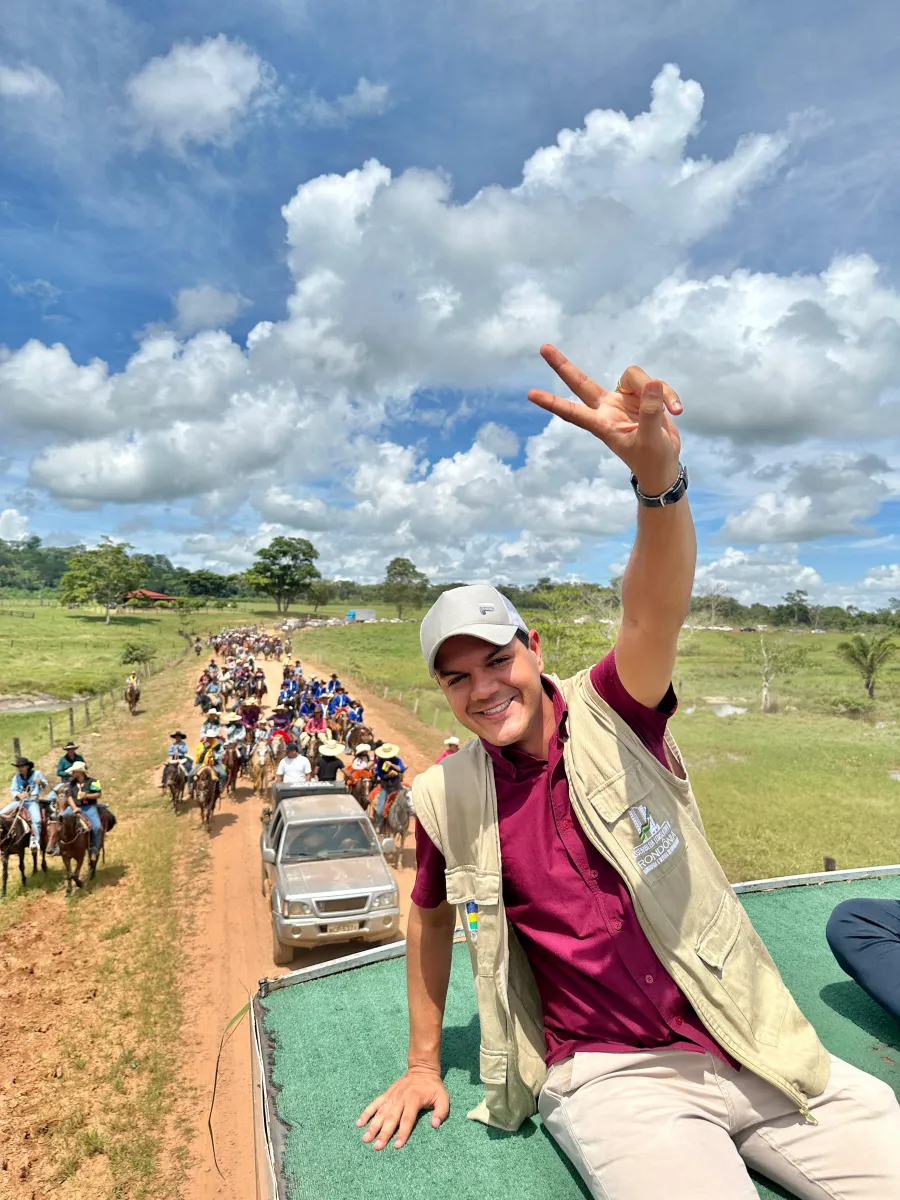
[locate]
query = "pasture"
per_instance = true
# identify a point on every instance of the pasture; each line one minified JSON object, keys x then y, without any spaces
{"x":778,"y":792}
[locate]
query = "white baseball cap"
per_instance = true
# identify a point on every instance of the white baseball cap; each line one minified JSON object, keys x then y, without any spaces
{"x":477,"y":609}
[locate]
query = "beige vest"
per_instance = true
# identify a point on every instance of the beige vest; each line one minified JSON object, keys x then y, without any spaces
{"x":643,"y":819}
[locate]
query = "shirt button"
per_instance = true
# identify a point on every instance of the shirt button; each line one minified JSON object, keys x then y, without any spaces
{"x":617,"y":925}
{"x":648,"y":979}
{"x":594,"y":874}
{"x":678,"y":1022}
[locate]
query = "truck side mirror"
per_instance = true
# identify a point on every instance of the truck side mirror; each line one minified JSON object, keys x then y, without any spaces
{"x":268,"y":854}
{"x":388,"y":846}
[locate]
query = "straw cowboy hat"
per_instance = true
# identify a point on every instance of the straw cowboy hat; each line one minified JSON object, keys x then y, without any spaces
{"x":451,"y":741}
{"x":387,"y":750}
{"x":77,"y":766}
{"x":234,"y":719}
{"x":212,"y":715}
{"x":363,"y":748}
{"x":331,"y":749}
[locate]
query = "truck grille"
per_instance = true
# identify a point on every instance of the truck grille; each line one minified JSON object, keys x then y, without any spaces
{"x":346,"y":904}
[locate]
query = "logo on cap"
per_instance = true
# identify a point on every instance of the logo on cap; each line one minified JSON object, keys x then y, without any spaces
{"x":484,"y":609}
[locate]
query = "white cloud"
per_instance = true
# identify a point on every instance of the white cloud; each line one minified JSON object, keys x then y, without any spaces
{"x":366,"y":100}
{"x":399,"y":289}
{"x":764,"y":574}
{"x":206,"y":307}
{"x":13,"y":525}
{"x":830,"y":495}
{"x":201,"y":93}
{"x":26,"y":82}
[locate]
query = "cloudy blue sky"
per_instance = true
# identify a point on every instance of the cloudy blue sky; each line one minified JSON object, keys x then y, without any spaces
{"x":285,"y":266}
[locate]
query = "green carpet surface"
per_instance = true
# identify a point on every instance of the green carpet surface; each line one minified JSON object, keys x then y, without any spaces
{"x":341,"y":1040}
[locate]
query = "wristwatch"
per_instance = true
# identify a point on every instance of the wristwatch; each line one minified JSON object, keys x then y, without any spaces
{"x":670,"y":496}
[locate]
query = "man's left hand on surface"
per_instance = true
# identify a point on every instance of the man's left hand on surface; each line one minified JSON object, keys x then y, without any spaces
{"x":634,"y":420}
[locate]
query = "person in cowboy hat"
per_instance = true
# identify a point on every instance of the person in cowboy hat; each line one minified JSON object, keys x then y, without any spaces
{"x":25,"y":789}
{"x":83,"y":794}
{"x":452,"y":744}
{"x":211,"y":726}
{"x":69,"y":755}
{"x":209,"y":754}
{"x":234,"y":730}
{"x":329,"y":765}
{"x":250,"y":711}
{"x":178,"y":748}
{"x":389,"y":771}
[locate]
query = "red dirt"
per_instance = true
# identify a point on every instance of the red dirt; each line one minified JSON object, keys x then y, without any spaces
{"x":231,"y":950}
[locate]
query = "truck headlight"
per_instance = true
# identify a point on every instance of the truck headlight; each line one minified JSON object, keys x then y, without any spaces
{"x":385,"y":900}
{"x":295,"y":908}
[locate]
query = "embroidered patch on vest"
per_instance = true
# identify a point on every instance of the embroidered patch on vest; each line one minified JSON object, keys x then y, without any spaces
{"x":472,"y":919}
{"x":655,"y":842}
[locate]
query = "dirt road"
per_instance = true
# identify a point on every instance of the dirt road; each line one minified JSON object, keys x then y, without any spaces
{"x":230,"y":950}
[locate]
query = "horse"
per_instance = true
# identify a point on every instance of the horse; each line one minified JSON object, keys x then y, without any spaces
{"x":261,"y":765}
{"x":176,"y":781}
{"x":395,"y":819}
{"x":227,"y":689}
{"x":15,"y":834}
{"x":233,"y":763}
{"x":360,"y":788}
{"x":206,"y":789}
{"x":132,"y":696}
{"x":258,"y":688}
{"x":359,"y":734}
{"x":74,"y":842}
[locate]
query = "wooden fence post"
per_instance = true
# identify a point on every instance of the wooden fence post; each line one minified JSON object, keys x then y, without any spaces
{"x":87,"y":711}
{"x":50,"y":728}
{"x":17,"y":748}
{"x":399,"y":697}
{"x":71,"y":722}
{"x":102,"y":708}
{"x":386,"y":690}
{"x":416,"y":705}
{"x":435,"y":718}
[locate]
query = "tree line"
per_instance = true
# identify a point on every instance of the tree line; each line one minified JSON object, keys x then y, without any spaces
{"x":286,"y":571}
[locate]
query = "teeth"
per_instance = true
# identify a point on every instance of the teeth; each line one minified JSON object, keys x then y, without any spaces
{"x":489,"y":712}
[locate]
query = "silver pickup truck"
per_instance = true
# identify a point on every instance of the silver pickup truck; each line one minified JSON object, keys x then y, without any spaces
{"x":325,"y":874}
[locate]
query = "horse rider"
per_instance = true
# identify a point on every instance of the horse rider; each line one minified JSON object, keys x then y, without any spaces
{"x":177,"y":750}
{"x":315,"y":726}
{"x":287,"y":693}
{"x":281,"y":723}
{"x":329,"y":765}
{"x":83,"y":794}
{"x":211,"y":726}
{"x":452,"y":747}
{"x":27,"y":785}
{"x":339,"y":699}
{"x":361,"y":767}
{"x":234,"y":731}
{"x":69,"y":756}
{"x":333,"y":685}
{"x":389,"y":771}
{"x":209,"y":754}
{"x":250,"y":711}
{"x":133,"y":681}
{"x":354,"y":712}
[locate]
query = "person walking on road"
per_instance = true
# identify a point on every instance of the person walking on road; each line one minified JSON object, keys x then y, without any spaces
{"x":622,"y":991}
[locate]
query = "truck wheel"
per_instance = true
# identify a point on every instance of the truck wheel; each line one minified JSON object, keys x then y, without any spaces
{"x":282,"y":955}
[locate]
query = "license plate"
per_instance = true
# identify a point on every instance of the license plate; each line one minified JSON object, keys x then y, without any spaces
{"x":344,"y":927}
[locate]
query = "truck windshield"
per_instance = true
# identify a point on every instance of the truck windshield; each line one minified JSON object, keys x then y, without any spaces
{"x":330,"y":839}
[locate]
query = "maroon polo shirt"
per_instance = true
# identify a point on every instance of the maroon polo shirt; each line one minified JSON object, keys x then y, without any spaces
{"x":602,"y":987}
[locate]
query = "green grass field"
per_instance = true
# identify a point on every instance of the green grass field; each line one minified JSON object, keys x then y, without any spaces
{"x":778,"y":792}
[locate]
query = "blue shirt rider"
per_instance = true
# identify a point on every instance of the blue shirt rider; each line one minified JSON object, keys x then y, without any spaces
{"x":25,"y":789}
{"x":177,"y":749}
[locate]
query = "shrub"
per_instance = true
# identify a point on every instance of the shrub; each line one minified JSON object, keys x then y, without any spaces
{"x":851,"y":706}
{"x":137,"y":653}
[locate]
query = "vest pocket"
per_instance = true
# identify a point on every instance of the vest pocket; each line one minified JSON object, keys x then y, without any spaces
{"x":728,"y":946}
{"x":492,"y":1065}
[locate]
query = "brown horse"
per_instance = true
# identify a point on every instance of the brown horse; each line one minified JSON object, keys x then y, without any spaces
{"x":359,"y":734}
{"x":74,"y":843}
{"x":132,"y":696}
{"x":206,"y":791}
{"x":15,"y":834}
{"x":233,"y":764}
{"x":395,"y":820}
{"x":360,"y":788}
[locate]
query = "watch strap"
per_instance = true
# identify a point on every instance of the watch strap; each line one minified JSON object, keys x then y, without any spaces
{"x":670,"y":496}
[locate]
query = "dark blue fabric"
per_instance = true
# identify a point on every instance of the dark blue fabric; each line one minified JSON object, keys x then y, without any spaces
{"x":864,"y":936}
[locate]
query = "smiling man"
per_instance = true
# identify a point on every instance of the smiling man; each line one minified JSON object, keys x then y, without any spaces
{"x":621,"y":989}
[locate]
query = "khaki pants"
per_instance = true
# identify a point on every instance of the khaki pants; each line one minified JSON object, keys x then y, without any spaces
{"x":677,"y":1125}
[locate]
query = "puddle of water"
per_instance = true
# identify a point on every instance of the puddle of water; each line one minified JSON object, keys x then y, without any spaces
{"x":726,"y":710}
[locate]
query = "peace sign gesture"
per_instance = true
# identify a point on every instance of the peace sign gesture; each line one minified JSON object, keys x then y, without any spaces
{"x":633,"y":420}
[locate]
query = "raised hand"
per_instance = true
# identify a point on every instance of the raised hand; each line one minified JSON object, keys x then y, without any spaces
{"x":633,"y":420}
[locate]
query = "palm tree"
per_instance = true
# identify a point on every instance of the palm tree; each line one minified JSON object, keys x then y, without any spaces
{"x":868,"y":655}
